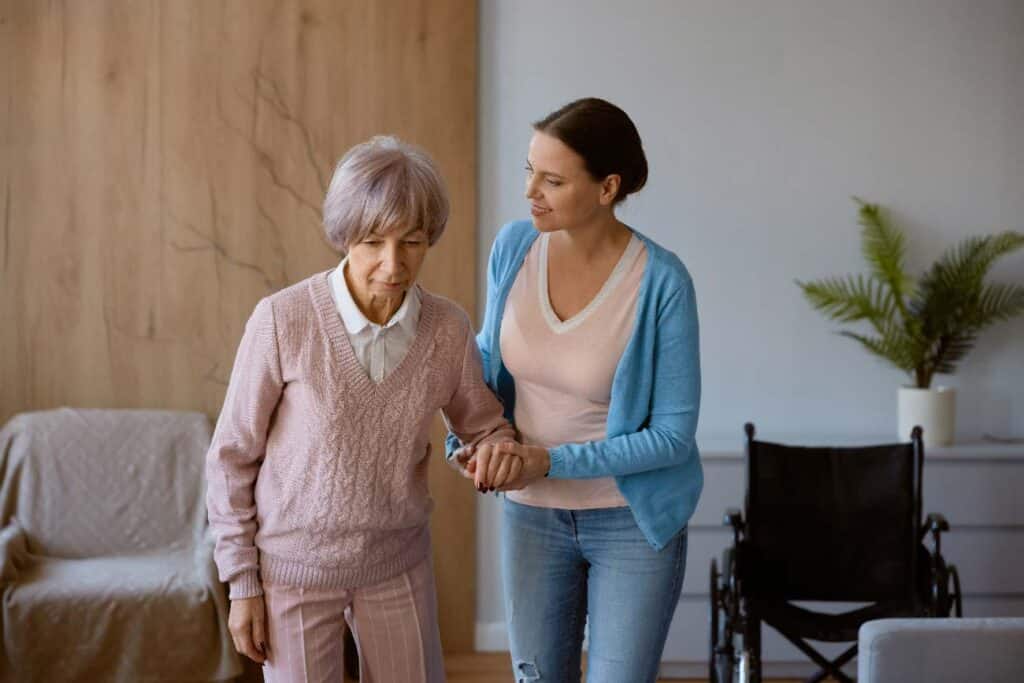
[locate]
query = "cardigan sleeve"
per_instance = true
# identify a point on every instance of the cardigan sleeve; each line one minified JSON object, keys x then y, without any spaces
{"x":668,"y":436}
{"x":237,"y":451}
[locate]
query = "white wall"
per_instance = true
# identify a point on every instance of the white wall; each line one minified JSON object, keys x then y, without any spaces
{"x":760,"y":120}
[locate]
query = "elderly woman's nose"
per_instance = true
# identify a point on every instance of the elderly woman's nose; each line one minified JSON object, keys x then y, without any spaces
{"x":391,"y":258}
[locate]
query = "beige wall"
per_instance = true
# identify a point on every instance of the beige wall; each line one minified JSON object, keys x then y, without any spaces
{"x":162,"y":166}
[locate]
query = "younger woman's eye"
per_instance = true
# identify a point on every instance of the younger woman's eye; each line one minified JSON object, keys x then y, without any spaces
{"x":553,"y":182}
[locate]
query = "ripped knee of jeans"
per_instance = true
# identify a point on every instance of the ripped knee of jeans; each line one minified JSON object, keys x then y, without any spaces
{"x":526,"y":671}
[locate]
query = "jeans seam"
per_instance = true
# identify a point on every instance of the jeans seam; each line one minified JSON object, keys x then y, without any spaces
{"x":670,"y":605}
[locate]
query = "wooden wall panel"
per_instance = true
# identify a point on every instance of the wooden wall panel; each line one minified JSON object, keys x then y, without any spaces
{"x":162,"y":168}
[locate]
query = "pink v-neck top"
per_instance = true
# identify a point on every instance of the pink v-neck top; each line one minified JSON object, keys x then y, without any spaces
{"x":563,"y":369}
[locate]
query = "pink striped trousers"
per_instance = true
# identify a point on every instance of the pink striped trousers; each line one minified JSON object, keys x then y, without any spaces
{"x":394,"y":623}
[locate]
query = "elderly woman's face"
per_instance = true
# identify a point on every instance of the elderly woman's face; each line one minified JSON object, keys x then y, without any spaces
{"x":387,"y":265}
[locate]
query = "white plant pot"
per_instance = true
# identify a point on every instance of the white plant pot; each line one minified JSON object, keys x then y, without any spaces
{"x":934,"y":409}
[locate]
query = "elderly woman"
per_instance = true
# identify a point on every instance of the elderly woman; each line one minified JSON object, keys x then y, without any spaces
{"x":318,"y":467}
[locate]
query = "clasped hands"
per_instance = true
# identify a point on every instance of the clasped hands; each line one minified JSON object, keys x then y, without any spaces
{"x":503,"y":466}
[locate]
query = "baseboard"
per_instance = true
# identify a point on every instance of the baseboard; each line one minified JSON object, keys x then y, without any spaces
{"x":769,"y":669}
{"x":491,"y":636}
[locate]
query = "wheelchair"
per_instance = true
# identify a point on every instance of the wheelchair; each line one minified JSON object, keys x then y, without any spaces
{"x":826,"y":525}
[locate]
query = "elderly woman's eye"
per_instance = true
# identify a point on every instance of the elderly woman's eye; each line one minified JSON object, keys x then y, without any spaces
{"x":529,"y":171}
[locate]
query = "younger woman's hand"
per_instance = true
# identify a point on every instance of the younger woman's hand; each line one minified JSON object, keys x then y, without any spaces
{"x":536,"y":465}
{"x":493,"y":465}
{"x":509,"y":466}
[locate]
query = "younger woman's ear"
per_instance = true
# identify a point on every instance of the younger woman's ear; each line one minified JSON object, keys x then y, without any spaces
{"x":610,"y":189}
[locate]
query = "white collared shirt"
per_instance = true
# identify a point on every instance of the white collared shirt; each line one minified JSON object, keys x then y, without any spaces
{"x":379,"y":348}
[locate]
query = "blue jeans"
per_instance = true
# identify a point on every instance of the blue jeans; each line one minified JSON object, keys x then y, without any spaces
{"x":564,"y":568}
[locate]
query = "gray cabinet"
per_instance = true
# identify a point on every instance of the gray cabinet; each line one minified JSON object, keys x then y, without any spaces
{"x":978,"y":487}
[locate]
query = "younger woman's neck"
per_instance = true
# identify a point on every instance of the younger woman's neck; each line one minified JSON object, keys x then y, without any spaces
{"x":592,"y":240}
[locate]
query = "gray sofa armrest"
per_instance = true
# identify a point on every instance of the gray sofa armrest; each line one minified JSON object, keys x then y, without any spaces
{"x":941,"y":650}
{"x":13,"y":551}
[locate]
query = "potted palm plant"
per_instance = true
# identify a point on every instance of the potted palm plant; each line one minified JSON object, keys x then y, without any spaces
{"x":924,"y":326}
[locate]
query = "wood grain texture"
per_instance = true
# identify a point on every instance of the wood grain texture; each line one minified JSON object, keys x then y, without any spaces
{"x":162,"y":168}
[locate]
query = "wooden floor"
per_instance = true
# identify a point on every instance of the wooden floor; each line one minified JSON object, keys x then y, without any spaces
{"x":490,"y":667}
{"x":486,"y":667}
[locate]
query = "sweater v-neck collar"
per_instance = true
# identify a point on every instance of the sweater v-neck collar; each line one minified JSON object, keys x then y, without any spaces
{"x":343,"y":357}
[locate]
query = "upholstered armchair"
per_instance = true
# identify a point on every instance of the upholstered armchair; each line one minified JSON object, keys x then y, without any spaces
{"x":106,"y":569}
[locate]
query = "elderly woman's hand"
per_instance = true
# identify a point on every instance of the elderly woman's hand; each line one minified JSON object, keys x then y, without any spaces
{"x":509,"y":466}
{"x":462,"y":460}
{"x":247,"y":623}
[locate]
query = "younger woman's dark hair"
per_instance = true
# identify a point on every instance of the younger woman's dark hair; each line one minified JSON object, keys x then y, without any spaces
{"x":605,"y":137}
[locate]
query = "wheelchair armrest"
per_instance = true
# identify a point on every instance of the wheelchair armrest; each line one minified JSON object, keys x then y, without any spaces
{"x":936,"y":524}
{"x":734,"y":518}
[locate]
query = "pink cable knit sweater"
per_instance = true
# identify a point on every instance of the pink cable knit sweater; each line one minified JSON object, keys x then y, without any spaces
{"x":317,"y":476}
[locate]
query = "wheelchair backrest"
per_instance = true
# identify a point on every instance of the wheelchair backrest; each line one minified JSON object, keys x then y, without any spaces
{"x":837,"y":524}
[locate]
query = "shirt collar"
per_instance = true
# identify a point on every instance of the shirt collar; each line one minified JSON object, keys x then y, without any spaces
{"x":407,"y":316}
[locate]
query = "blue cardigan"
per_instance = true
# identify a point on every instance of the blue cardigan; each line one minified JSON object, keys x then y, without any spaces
{"x":650,"y":447}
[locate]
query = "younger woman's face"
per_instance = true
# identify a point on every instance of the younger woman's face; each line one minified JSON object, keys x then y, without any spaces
{"x":561,"y":191}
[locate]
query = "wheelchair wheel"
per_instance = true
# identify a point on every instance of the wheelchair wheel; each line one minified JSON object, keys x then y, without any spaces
{"x":956,"y":601}
{"x":721,"y":655}
{"x":713,"y":623}
{"x":938,"y":594}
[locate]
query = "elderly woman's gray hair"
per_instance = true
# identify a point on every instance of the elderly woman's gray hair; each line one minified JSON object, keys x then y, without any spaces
{"x":380,"y":186}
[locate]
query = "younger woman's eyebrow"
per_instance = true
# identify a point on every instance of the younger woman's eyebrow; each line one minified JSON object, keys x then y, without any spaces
{"x":547,"y":173}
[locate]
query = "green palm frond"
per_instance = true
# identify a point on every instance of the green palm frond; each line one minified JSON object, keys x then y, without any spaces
{"x":884,"y":248}
{"x":851,"y":298}
{"x":952,"y":294}
{"x":891,"y":344}
{"x":951,"y":350}
{"x":965,"y":265}
{"x":925,"y":328}
{"x":998,"y":302}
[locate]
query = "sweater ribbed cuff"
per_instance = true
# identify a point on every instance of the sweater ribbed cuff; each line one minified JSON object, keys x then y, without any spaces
{"x":245,"y":585}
